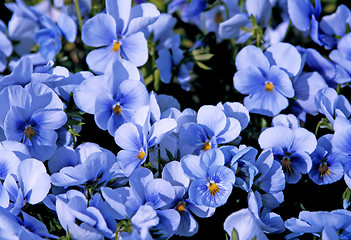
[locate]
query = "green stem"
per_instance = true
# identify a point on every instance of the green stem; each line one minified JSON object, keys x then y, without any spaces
{"x":79,"y":15}
{"x":318,"y":126}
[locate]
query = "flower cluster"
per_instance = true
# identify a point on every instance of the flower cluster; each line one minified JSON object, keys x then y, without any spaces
{"x":121,"y":69}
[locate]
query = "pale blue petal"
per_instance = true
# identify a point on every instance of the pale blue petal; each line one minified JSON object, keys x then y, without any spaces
{"x":129,"y":161}
{"x":335,"y":23}
{"x":141,"y":16}
{"x":306,"y":87}
{"x":68,"y":27}
{"x":285,"y":56}
{"x":213,"y":118}
{"x":304,"y":140}
{"x":101,"y":60}
{"x":252,"y":56}
{"x":138,"y":180}
{"x":266,"y":103}
{"x":230,"y":132}
{"x":174,"y":174}
{"x":49,"y":119}
{"x":33,"y":180}
{"x":193,"y":167}
{"x":99,"y":31}
{"x":86,"y":93}
{"x":116,"y":198}
{"x":169,"y":221}
{"x":164,"y":65}
{"x":128,"y":137}
{"x":250,"y":80}
{"x":260,"y":9}
{"x":63,"y":157}
{"x":276,"y":136}
{"x":281,"y":82}
{"x":134,"y":49}
{"x":245,"y":224}
{"x":159,"y":129}
{"x":300,"y":13}
{"x":231,"y":27}
{"x":120,"y":11}
{"x":159,"y":192}
{"x":238,"y":111}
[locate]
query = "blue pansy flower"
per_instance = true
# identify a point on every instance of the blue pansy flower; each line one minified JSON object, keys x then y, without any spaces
{"x":265,"y":77}
{"x":114,"y":98}
{"x":26,"y":227}
{"x":242,"y":162}
{"x":188,"y":225}
{"x":292,"y":148}
{"x":170,"y":59}
{"x":49,"y":37}
{"x":242,"y":224}
{"x":30,"y":184}
{"x":145,"y":190}
{"x":269,"y":222}
{"x":213,"y":127}
{"x":326,"y":166}
{"x":332,"y":105}
{"x":234,"y":27}
{"x":81,"y":220}
{"x":32,"y":115}
{"x":212,"y":182}
{"x":118,"y":32}
{"x":270,"y":181}
{"x":70,"y":169}
{"x":326,"y":225}
{"x":136,"y":141}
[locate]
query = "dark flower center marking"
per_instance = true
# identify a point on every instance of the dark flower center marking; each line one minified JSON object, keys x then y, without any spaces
{"x":218,"y":18}
{"x":29,"y":132}
{"x":323,"y":170}
{"x":286,"y":165}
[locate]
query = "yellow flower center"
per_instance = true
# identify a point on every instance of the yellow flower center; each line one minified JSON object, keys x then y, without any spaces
{"x":29,"y":132}
{"x":213,"y":188}
{"x":116,"y":46}
{"x":180,"y":207}
{"x":269,"y":86}
{"x":141,"y":155}
{"x":206,"y":146}
{"x":218,"y":18}
{"x":117,"y":109}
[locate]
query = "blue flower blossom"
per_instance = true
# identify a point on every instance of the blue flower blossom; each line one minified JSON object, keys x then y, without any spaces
{"x":265,"y":77}
{"x":118,"y":33}
{"x":136,"y":141}
{"x":326,"y":166}
{"x":292,"y":148}
{"x":212,"y":128}
{"x":31,"y":115}
{"x":322,"y":223}
{"x":212,"y":182}
{"x":114,"y":98}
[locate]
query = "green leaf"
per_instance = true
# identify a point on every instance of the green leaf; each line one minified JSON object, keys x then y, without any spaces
{"x":235,"y":235}
{"x":203,"y":66}
{"x":169,"y":155}
{"x":71,"y":131}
